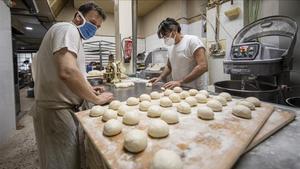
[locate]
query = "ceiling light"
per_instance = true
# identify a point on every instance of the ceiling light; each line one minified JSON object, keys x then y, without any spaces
{"x":28,"y":28}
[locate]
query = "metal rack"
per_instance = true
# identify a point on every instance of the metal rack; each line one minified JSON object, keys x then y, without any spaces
{"x":98,"y":51}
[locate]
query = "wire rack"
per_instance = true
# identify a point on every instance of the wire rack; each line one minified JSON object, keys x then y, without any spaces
{"x":98,"y":52}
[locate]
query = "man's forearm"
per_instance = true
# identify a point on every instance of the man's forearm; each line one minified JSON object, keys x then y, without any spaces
{"x":165,"y":73}
{"x":78,"y":85}
{"x":195,"y":73}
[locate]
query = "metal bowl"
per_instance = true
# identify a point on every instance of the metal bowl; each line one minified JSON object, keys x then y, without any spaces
{"x":263,"y":91}
{"x":293,"y":101}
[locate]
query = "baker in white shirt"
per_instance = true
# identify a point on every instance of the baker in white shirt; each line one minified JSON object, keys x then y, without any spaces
{"x":187,"y":62}
{"x":60,"y":88}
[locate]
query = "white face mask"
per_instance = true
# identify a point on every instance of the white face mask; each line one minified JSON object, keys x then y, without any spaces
{"x":169,"y":41}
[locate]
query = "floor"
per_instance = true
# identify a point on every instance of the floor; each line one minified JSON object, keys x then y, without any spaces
{"x":20,"y":152}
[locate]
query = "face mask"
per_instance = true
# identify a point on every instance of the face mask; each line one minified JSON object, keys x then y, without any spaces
{"x":87,"y":29}
{"x":169,"y":41}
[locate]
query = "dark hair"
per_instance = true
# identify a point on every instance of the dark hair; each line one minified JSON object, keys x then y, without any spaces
{"x":166,"y":26}
{"x":87,"y":7}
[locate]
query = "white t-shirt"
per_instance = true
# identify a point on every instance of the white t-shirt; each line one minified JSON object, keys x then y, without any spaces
{"x":48,"y":86}
{"x":183,"y":62}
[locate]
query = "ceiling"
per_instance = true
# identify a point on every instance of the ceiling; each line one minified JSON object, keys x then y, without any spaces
{"x":144,"y":6}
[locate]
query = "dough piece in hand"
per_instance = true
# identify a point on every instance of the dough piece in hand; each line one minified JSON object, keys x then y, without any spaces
{"x":109,"y":114}
{"x":191,"y":101}
{"x":177,"y":89}
{"x":193,"y":92}
{"x":168,"y":92}
{"x":145,"y":97}
{"x":201,"y":98}
{"x":166,"y":159}
{"x":205,"y":92}
{"x":226,"y":95}
{"x":132,"y":101}
{"x":112,"y":127}
{"x":174,"y":97}
{"x":123,"y":109}
{"x":169,"y":116}
{"x":148,"y":84}
{"x":135,"y":141}
{"x":184,"y":94}
{"x":222,"y":100}
{"x":250,"y":105}
{"x":115,"y":105}
{"x":165,"y":102}
{"x":215,"y":105}
{"x":158,"y":129}
{"x":205,"y":113}
{"x":184,"y":107}
{"x":154,"y":111}
{"x":162,"y":88}
{"x":144,"y":105}
{"x":155,"y":95}
{"x":97,"y":111}
{"x":242,"y":111}
{"x":254,"y":100}
{"x":131,"y":118}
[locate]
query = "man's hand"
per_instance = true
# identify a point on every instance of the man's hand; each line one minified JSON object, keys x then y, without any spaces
{"x":172,"y":84}
{"x":98,"y":89}
{"x":105,"y":97}
{"x":155,"y":80}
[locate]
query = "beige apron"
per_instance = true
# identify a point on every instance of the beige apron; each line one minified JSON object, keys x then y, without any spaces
{"x":57,"y":135}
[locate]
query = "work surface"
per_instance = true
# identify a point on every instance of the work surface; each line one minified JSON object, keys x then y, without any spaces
{"x":279,"y":151}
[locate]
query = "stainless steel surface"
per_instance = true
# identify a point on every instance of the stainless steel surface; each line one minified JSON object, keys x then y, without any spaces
{"x":280,"y":151}
{"x":260,"y":90}
{"x":134,"y":8}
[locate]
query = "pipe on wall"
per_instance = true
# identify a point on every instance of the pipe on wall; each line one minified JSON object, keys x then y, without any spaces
{"x":134,"y":34}
{"x":117,"y":30}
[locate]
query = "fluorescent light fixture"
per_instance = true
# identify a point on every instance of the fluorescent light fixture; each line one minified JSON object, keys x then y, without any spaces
{"x":28,"y":28}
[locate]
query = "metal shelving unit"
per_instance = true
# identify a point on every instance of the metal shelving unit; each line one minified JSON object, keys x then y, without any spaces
{"x":98,"y":51}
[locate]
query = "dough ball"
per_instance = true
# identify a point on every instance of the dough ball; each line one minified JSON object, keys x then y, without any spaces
{"x":222,"y":100}
{"x":154,"y":111}
{"x":205,"y":113}
{"x":112,"y":127}
{"x":115,"y":105}
{"x":109,"y":114}
{"x":155,"y":95}
{"x":97,"y":111}
{"x":191,"y":101}
{"x":131,"y":118}
{"x":184,"y":107}
{"x":148,"y":84}
{"x":193,"y":92}
{"x":254,"y":100}
{"x":250,"y":105}
{"x":201,"y":98}
{"x":169,"y":116}
{"x":226,"y":95}
{"x":205,"y":92}
{"x":165,"y":102}
{"x":174,"y":97}
{"x":184,"y":94}
{"x":135,"y":141}
{"x":166,"y":159}
{"x":242,"y":111}
{"x":145,"y":97}
{"x":215,"y":105}
{"x":132,"y":101}
{"x":158,"y":129}
{"x":177,"y":89}
{"x":168,"y":92}
{"x":144,"y":105}
{"x":123,"y":109}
